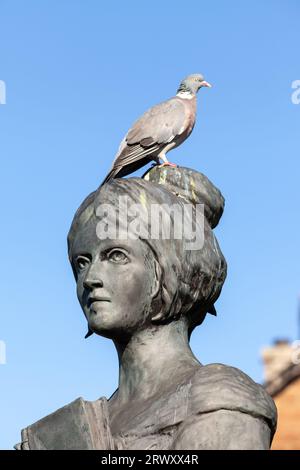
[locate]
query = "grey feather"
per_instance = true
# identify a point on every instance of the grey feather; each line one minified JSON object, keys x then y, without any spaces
{"x":149,"y":135}
{"x":162,"y":123}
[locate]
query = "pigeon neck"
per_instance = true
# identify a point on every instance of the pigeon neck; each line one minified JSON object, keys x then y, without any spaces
{"x":185,"y":94}
{"x":185,"y":91}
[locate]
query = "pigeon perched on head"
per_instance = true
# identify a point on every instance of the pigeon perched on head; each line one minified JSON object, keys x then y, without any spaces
{"x":162,"y":128}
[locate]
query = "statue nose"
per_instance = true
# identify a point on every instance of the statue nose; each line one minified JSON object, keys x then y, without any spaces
{"x":92,"y":283}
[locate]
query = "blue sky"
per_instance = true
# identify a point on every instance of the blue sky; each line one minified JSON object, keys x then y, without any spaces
{"x":77,"y":74}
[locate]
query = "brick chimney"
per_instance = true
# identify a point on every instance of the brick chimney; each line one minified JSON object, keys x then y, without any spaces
{"x":277,"y":359}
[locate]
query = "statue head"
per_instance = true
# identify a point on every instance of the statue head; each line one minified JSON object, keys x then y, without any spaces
{"x":134,"y":265}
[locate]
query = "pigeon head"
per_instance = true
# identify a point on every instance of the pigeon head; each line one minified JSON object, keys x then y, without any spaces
{"x":192,"y":84}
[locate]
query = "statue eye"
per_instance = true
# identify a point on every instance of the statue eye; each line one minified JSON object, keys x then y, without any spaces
{"x":117,"y":256}
{"x":82,"y":262}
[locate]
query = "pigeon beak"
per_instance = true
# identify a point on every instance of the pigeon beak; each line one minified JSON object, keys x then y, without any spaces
{"x":204,"y":83}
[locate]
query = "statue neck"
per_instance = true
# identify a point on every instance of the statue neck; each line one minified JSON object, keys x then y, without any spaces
{"x":152,"y":359}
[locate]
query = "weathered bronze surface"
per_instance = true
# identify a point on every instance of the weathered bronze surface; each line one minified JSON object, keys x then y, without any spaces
{"x":147,"y":294}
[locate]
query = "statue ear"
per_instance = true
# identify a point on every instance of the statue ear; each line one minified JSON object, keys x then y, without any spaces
{"x":161,"y":300}
{"x":156,"y":289}
{"x":158,"y":317}
{"x":165,"y":306}
{"x":156,"y":284}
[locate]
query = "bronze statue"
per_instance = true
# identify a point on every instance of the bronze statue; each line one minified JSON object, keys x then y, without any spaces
{"x":147,"y":293}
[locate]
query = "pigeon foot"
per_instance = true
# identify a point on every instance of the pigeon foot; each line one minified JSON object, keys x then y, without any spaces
{"x":167,"y":164}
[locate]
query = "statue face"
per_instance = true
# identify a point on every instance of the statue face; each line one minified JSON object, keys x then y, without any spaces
{"x":116,"y":282}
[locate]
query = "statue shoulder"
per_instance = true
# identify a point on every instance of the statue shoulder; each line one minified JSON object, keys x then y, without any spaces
{"x":78,"y":425}
{"x":219,"y":387}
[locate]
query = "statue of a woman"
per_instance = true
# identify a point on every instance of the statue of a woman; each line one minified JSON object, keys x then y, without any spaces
{"x":147,"y":292}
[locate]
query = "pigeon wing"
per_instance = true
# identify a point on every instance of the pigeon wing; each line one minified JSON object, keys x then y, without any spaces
{"x":149,"y":134}
{"x":152,"y":131}
{"x":159,"y":125}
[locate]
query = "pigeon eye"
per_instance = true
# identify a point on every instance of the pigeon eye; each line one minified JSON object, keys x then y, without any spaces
{"x":117,"y":256}
{"x":82,"y":262}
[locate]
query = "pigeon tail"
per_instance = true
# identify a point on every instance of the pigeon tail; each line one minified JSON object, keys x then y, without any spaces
{"x":120,"y":171}
{"x":212,"y":310}
{"x":110,"y":175}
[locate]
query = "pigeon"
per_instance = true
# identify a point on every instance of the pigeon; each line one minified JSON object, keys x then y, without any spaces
{"x":160,"y":129}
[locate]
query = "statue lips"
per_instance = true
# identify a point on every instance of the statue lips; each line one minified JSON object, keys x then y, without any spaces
{"x":93,"y":300}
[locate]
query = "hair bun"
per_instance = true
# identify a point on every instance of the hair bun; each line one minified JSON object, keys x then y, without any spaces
{"x":191,"y":185}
